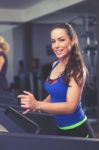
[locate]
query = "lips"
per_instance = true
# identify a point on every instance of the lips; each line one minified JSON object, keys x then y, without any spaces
{"x":58,"y":52}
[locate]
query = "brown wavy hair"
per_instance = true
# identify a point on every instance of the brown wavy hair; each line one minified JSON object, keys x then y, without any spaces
{"x":75,"y":67}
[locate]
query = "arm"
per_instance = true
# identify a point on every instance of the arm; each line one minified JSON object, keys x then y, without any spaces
{"x":73,"y":96}
{"x":1,"y":62}
{"x":29,"y":102}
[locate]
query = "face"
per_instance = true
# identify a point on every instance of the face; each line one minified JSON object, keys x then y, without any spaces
{"x":61,"y":43}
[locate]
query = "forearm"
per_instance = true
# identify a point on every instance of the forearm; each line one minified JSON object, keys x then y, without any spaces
{"x":55,"y":108}
{"x":29,"y":102}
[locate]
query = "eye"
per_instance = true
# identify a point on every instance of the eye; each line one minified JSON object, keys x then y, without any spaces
{"x":52,"y":41}
{"x":61,"y":39}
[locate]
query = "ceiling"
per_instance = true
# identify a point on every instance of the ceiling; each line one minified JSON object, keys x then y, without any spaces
{"x":72,"y":13}
{"x":21,"y":11}
{"x":17,"y":4}
{"x":87,"y":6}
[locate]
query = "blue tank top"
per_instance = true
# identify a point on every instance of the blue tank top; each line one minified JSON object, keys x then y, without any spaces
{"x":58,"y":91}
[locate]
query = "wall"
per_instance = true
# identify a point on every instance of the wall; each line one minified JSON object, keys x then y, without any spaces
{"x":41,"y":38}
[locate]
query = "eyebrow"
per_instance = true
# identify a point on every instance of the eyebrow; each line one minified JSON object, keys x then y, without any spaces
{"x":58,"y":37}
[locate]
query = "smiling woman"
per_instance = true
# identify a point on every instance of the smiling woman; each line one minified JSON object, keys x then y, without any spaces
{"x":64,"y":84}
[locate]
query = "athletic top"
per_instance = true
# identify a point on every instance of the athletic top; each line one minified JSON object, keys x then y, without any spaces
{"x":58,"y":91}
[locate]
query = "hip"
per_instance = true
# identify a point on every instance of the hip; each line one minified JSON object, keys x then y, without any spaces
{"x":84,"y":130}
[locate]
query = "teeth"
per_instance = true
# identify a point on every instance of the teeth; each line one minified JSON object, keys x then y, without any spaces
{"x":58,"y":51}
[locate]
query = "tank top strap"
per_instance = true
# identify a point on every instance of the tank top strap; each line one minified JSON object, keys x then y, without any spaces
{"x":55,"y":64}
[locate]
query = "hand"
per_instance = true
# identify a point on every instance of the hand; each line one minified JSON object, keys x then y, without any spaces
{"x":27,"y":101}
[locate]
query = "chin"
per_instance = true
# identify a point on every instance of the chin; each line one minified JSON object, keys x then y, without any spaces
{"x":60,"y":57}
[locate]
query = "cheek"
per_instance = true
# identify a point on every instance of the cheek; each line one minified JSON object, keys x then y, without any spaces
{"x":67,"y":46}
{"x":52,"y":47}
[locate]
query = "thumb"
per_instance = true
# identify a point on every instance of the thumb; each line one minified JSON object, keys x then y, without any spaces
{"x":26,"y":111}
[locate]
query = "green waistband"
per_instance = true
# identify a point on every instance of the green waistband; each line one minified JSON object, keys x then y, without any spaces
{"x":74,"y":125}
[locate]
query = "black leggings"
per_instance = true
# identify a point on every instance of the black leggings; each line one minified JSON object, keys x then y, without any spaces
{"x":84,"y":130}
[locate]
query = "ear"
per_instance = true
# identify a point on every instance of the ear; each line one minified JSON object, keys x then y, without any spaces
{"x":69,"y":47}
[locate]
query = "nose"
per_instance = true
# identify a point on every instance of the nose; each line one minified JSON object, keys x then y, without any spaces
{"x":56,"y":44}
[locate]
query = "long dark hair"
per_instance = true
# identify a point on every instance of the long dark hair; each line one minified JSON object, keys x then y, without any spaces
{"x":75,"y":66}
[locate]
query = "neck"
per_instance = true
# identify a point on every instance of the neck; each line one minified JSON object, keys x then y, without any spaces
{"x":64,"y":61}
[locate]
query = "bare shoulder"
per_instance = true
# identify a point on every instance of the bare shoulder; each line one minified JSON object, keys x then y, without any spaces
{"x":81,"y":80}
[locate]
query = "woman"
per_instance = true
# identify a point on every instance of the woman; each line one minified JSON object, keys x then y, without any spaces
{"x":4,"y":47}
{"x":64,"y":85}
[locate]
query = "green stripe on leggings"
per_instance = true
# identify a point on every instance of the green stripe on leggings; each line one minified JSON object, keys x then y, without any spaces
{"x":73,"y":126}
